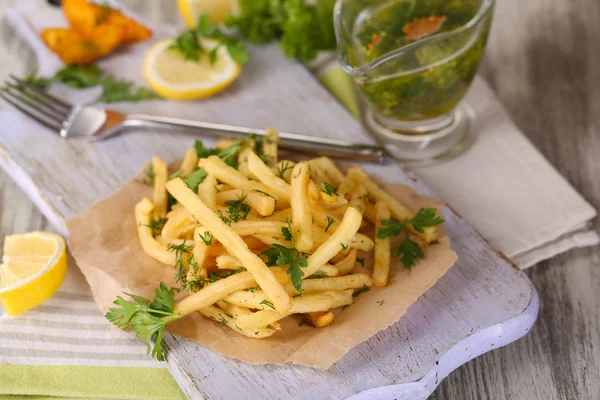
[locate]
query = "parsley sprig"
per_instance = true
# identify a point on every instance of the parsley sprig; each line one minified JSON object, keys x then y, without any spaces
{"x":180,"y":251}
{"x":281,"y":255}
{"x":147,"y":319}
{"x":190,"y":46}
{"x":238,"y":210}
{"x":328,"y":189}
{"x":409,"y":251}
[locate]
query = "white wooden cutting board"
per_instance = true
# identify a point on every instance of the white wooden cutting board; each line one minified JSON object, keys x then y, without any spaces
{"x":481,"y":304}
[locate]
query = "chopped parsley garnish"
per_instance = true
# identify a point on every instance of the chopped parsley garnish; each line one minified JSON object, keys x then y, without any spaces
{"x":156,"y":225}
{"x":281,"y":169}
{"x":409,"y":251}
{"x":267,"y":303}
{"x":287,"y":231}
{"x":147,"y":319}
{"x":206,"y":237}
{"x":380,"y":302}
{"x":344,"y":246}
{"x":319,"y":274}
{"x":238,"y":210}
{"x":265,"y":194}
{"x":250,"y":289}
{"x":364,"y":289}
{"x":180,"y":250}
{"x":222,"y":321}
{"x":149,"y":180}
{"x":305,"y":321}
{"x":328,"y":189}
{"x":281,"y":255}
{"x":330,"y":221}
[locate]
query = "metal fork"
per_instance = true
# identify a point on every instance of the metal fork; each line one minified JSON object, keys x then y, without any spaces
{"x":94,"y":123}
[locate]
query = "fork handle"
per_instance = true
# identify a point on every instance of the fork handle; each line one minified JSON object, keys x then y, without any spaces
{"x":290,"y":141}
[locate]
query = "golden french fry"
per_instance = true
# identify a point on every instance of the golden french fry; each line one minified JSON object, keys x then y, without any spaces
{"x":189,"y":163}
{"x":301,"y":215}
{"x":247,"y":148}
{"x":159,"y":167}
{"x":237,"y":311}
{"x":232,"y":242}
{"x":264,"y":205}
{"x":321,"y":318}
{"x":250,"y":299}
{"x":225,"y":261}
{"x":143,"y":211}
{"x":270,"y":142}
{"x":323,"y":169}
{"x":314,"y":302}
{"x":224,"y":318}
{"x":349,"y":182}
{"x":177,"y":221}
{"x":360,"y":198}
{"x":354,"y":281}
{"x":247,"y":228}
{"x":398,"y":210}
{"x":382,"y":247}
{"x":231,"y":176}
{"x":265,"y":175}
{"x":346,"y":265}
{"x":361,"y":242}
{"x":340,"y":238}
{"x":207,"y":191}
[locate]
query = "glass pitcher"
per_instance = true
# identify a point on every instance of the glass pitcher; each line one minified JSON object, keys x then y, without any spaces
{"x":413,"y":62}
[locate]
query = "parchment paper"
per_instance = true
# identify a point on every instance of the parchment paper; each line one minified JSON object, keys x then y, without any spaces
{"x":104,"y":243}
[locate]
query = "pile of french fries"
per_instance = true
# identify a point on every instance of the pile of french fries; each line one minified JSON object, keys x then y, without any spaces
{"x":330,"y":216}
{"x":96,"y":31}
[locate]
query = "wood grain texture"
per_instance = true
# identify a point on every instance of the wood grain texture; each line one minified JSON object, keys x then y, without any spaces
{"x":561,"y":357}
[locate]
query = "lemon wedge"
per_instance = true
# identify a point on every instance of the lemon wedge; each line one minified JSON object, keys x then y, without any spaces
{"x":217,"y":10}
{"x":174,"y":77}
{"x":33,"y":268}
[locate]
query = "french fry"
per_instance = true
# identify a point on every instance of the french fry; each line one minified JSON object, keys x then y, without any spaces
{"x":342,"y":236}
{"x":201,"y":250}
{"x":264,"y":205}
{"x":160,"y":192}
{"x":325,"y":170}
{"x":242,"y":158}
{"x":189,"y":163}
{"x":177,"y":221}
{"x":249,"y":299}
{"x":265,"y":175}
{"x":359,"y":198}
{"x":314,"y":302}
{"x":232,"y":242}
{"x":361,"y":242}
{"x":207,"y":191}
{"x":382,"y":247}
{"x":321,"y":318}
{"x":398,"y":210}
{"x":223,"y":318}
{"x":301,"y":215}
{"x":270,"y":142}
{"x":224,"y":143}
{"x":247,"y":228}
{"x":349,"y":182}
{"x":354,"y":281}
{"x":231,"y":176}
{"x":143,"y":211}
{"x":237,"y":311}
{"x":346,"y":265}
{"x":225,"y":261}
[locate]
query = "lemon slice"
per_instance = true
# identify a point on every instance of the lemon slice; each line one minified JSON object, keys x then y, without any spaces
{"x":217,"y":10}
{"x":33,"y":267}
{"x":173,"y":77}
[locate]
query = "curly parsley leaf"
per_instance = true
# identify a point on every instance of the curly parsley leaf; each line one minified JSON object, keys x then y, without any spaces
{"x":195,"y":178}
{"x":149,"y":320}
{"x":390,"y":228}
{"x":287,"y":231}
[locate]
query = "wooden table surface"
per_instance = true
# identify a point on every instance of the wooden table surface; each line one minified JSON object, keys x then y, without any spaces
{"x":542,"y":60}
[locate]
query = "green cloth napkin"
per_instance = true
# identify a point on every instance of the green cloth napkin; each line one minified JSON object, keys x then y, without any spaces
{"x":131,"y":383}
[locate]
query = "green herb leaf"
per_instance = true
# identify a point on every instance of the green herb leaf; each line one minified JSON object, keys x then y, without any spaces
{"x":361,"y":261}
{"x":79,"y":77}
{"x":180,"y":250}
{"x":147,"y":319}
{"x":281,"y":255}
{"x":38,"y":81}
{"x":364,"y":289}
{"x":286,"y":165}
{"x":409,"y":252}
{"x":175,"y":175}
{"x":238,"y":210}
{"x":344,"y":246}
{"x":330,"y":221}
{"x":425,"y":217}
{"x":389,"y":228}
{"x":287,"y":231}
{"x":156,"y":225}
{"x":149,"y":180}
{"x":267,"y":303}
{"x":115,"y":90}
{"x":207,"y":238}
{"x":328,"y":189}
{"x":188,"y":44}
{"x":380,"y":302}
{"x":195,"y":178}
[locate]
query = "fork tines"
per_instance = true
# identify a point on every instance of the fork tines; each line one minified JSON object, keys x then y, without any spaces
{"x":48,"y":110}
